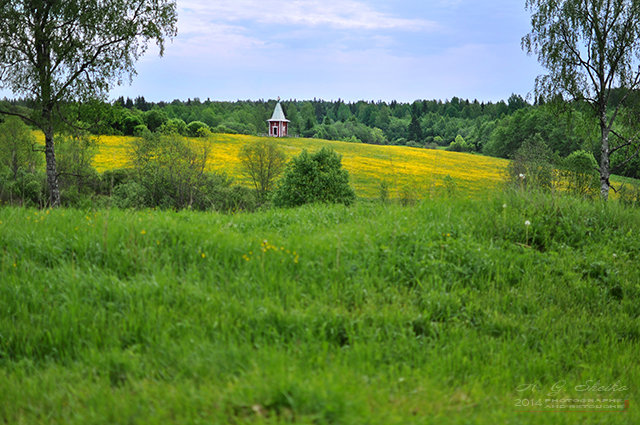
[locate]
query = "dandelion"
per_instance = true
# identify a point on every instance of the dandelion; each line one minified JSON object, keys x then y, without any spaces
{"x":143,"y":232}
{"x":245,"y":257}
{"x":504,"y":205}
{"x":522,"y":176}
{"x":203,"y":255}
{"x":527,"y":223}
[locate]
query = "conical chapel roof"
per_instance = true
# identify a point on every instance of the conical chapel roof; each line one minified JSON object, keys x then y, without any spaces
{"x":278,"y":114}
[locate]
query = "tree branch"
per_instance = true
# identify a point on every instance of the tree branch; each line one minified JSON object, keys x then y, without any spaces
{"x":19,"y":115}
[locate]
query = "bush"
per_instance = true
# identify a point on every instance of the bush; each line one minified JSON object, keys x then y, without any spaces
{"x":170,"y":169}
{"x":21,"y":178}
{"x":169,"y":172}
{"x":141,"y":131}
{"x":74,"y":158}
{"x":460,"y":145}
{"x":315,"y":178}
{"x":130,"y":123}
{"x":155,"y":119}
{"x":174,"y":126}
{"x":129,"y":195}
{"x":580,"y":172}
{"x":233,"y":199}
{"x":17,"y":147}
{"x":630,"y":194}
{"x":27,"y":188}
{"x":110,"y":179}
{"x":194,"y":127}
{"x":223,"y":129}
{"x":532,"y":165}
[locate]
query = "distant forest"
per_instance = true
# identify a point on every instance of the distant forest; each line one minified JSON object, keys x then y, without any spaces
{"x":496,"y":129}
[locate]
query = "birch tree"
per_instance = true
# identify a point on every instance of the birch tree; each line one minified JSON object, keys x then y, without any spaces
{"x":55,"y":51}
{"x":591,"y":49}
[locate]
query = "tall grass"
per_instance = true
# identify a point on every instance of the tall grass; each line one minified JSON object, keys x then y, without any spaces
{"x":377,"y":314}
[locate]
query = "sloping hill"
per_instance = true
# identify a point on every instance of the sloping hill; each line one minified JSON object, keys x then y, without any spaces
{"x":418,"y":171}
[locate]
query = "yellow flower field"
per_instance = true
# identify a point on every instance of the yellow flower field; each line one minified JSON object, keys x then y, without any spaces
{"x":412,"y":171}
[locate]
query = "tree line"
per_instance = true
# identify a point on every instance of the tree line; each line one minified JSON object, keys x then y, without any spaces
{"x":496,"y":129}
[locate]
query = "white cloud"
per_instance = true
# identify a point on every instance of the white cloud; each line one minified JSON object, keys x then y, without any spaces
{"x":340,"y":14}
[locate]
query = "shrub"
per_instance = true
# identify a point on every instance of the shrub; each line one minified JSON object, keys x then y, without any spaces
{"x":263,"y":162}
{"x":21,"y":178}
{"x":315,"y":178}
{"x":169,"y":168}
{"x":17,"y":147}
{"x":74,"y":157}
{"x":27,"y":188}
{"x":141,"y":131}
{"x":460,"y":145}
{"x":223,"y":129}
{"x":130,"y":123}
{"x":580,"y":172}
{"x":155,"y":119}
{"x":532,"y":166}
{"x":194,"y":127}
{"x":129,"y":195}
{"x":110,"y":179}
{"x":630,"y":194}
{"x":169,"y":172}
{"x":174,"y":126}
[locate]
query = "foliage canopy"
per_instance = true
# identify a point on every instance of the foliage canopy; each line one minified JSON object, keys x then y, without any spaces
{"x":317,"y":177}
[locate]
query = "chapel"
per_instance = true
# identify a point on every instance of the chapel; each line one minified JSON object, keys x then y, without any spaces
{"x":278,"y":124}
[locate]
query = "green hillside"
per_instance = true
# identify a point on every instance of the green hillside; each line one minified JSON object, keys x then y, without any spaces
{"x":433,"y":314}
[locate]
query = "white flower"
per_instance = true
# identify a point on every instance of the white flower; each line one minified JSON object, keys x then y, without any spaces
{"x":521,"y":176}
{"x":527,"y":223}
{"x":504,"y":205}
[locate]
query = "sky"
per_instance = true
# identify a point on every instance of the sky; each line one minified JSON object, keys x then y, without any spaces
{"x":341,"y":49}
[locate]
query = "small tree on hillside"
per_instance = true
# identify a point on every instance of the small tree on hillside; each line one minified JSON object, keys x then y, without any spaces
{"x":315,"y":178}
{"x":263,"y":162}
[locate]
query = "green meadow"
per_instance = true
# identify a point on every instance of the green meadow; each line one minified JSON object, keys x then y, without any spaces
{"x":450,"y":311}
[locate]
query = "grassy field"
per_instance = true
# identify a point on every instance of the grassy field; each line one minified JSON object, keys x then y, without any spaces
{"x":412,"y":170}
{"x":453,"y":311}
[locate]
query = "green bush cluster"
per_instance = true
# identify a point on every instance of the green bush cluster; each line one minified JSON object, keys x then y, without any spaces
{"x":169,"y":172}
{"x":317,"y":177}
{"x":535,"y":167}
{"x":460,"y":145}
